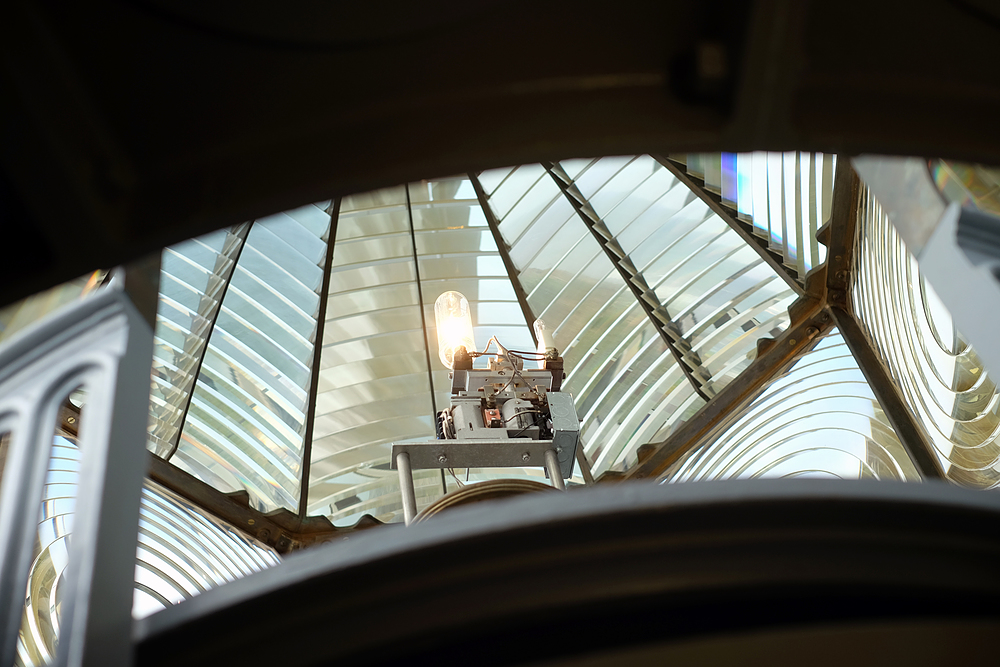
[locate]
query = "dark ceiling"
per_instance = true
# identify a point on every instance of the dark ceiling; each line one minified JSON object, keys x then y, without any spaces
{"x":130,"y":125}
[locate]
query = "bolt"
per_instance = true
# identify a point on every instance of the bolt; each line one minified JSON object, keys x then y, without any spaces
{"x":812,"y":331}
{"x":526,"y":457}
{"x":442,"y":459}
{"x":825,"y":317}
{"x":836,"y":295}
{"x":558,"y":450}
{"x":842,"y":276}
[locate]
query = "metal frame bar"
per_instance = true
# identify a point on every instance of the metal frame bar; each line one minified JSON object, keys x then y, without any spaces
{"x":714,"y":202}
{"x":105,"y":344}
{"x":841,"y":236}
{"x":688,"y":360}
{"x":307,"y":436}
{"x":810,"y":320}
{"x":282,"y":530}
{"x":423,"y":319}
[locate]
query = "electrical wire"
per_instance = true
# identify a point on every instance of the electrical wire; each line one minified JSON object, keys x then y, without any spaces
{"x":522,"y":412}
{"x":457,"y":480}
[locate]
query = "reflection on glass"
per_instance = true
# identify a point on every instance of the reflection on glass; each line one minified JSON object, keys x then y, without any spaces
{"x":953,"y":398}
{"x":786,"y":197}
{"x":968,"y":184}
{"x":820,"y":419}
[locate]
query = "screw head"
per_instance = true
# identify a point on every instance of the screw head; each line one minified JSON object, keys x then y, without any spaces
{"x":526,"y":457}
{"x":442,"y":459}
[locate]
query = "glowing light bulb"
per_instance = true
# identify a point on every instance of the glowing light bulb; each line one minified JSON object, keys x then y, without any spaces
{"x":546,"y":346}
{"x":453,"y":317}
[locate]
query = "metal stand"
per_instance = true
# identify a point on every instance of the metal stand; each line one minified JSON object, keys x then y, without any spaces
{"x":552,"y":466}
{"x":470,"y":458}
{"x":406,"y":487}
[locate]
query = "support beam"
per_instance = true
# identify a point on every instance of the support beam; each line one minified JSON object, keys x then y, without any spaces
{"x":714,"y":202}
{"x":282,"y":530}
{"x":688,"y":360}
{"x":908,"y":431}
{"x":810,"y":320}
{"x":840,"y":236}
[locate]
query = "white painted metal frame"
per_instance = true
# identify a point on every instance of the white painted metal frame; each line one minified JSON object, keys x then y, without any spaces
{"x":105,"y":346}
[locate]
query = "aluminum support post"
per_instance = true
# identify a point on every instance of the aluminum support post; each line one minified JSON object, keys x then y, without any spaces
{"x":406,"y":487}
{"x":552,"y":466}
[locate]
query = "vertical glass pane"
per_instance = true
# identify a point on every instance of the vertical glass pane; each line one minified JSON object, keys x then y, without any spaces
{"x":730,"y":179}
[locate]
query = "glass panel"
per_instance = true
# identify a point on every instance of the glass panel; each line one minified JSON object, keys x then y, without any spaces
{"x":193,"y":277}
{"x":785,"y":197}
{"x":730,"y":180}
{"x":820,"y":419}
{"x":20,"y":314}
{"x":952,"y":396}
{"x":246,"y":420}
{"x":182,"y":552}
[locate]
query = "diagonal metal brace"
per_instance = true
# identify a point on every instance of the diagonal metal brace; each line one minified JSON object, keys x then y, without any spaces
{"x":810,"y":320}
